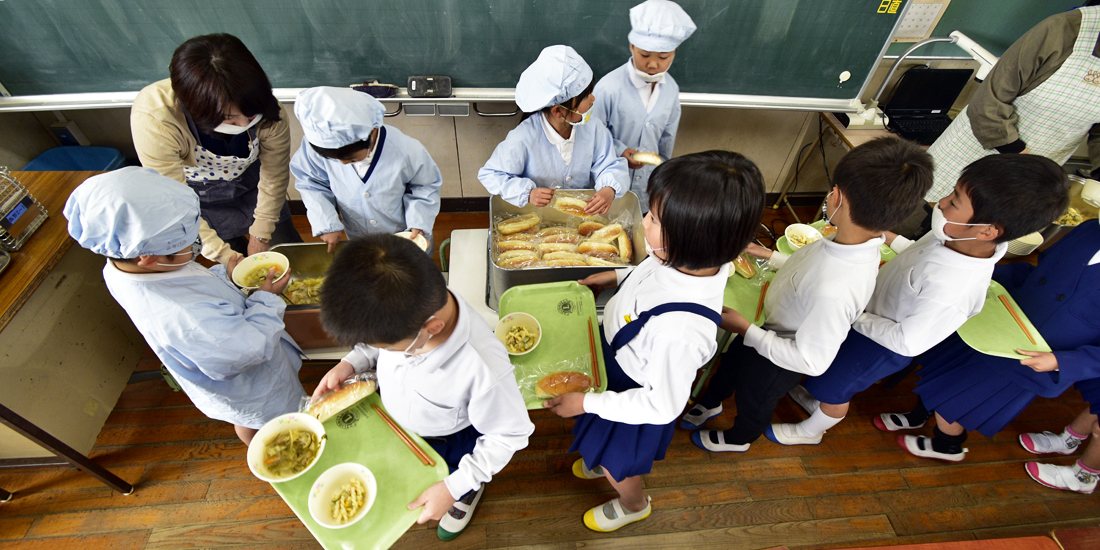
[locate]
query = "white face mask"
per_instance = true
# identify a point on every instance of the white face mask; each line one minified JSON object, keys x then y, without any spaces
{"x":232,"y":129}
{"x":825,"y":208}
{"x":584,"y":116}
{"x":651,"y":78}
{"x":939,"y":222}
{"x":650,"y":250}
{"x":409,"y":352}
{"x":195,"y":249}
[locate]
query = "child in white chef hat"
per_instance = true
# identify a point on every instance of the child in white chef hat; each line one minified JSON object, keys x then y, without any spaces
{"x":640,"y":102}
{"x":556,"y":146}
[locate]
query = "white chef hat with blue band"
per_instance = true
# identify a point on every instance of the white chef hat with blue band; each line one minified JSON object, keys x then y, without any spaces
{"x":659,"y":26}
{"x":558,"y":75}
{"x":335,"y":117}
{"x":133,"y":212}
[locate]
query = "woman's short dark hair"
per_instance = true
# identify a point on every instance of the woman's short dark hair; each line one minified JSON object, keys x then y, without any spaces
{"x":380,"y":289}
{"x":708,"y":204}
{"x":884,"y":181}
{"x":209,"y":73}
{"x":346,"y":152}
{"x":1017,"y":193}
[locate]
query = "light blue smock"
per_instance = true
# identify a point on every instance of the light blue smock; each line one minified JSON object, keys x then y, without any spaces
{"x":229,"y":353}
{"x":526,"y":159}
{"x":400,"y":191}
{"x":619,"y":106}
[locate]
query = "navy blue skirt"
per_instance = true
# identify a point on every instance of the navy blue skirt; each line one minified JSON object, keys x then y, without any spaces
{"x":455,"y":446}
{"x":624,"y":450}
{"x":858,"y":365}
{"x":1090,"y":391}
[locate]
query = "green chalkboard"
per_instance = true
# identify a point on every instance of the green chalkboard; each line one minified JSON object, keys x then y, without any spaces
{"x":792,"y":48}
{"x":995,"y":24}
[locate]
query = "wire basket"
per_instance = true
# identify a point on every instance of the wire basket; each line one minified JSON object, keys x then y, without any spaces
{"x":20,"y":213}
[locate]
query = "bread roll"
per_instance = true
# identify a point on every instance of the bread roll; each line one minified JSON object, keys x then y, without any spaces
{"x":827,"y":230}
{"x":626,"y":249}
{"x":565,"y":256}
{"x":566,"y":263}
{"x":505,"y":246}
{"x":600,"y":250}
{"x":331,"y":403}
{"x":744,"y":267}
{"x":546,"y":248}
{"x":587,"y":228}
{"x":519,"y":223}
{"x":647,"y":158}
{"x":572,"y":206}
{"x":567,"y":238}
{"x":606,"y":234}
{"x":515,"y":259}
{"x":596,"y":261}
{"x":561,"y":383}
{"x":521,"y":236}
{"x":556,"y":230}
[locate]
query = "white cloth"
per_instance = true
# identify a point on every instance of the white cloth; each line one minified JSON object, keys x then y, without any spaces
{"x":648,"y":92}
{"x":217,"y":168}
{"x":466,"y":381}
{"x":664,"y":357}
{"x":924,"y":295}
{"x":558,"y":75}
{"x":659,"y":26}
{"x":335,"y":117}
{"x":526,"y":159}
{"x":228,"y":352}
{"x":133,"y":212}
{"x":362,"y":167}
{"x":812,"y":302}
{"x":633,"y":125}
{"x":399,"y":192}
{"x":563,"y":145}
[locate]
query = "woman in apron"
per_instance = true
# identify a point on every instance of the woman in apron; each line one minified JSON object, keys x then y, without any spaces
{"x":216,"y":126}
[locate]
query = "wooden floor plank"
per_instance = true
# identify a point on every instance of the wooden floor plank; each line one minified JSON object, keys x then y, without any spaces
{"x":122,"y":541}
{"x":14,"y":528}
{"x":290,"y":533}
{"x":157,"y":517}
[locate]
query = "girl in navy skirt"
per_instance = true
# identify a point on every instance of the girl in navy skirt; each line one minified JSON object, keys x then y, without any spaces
{"x":661,"y":326}
{"x":935,"y":284}
{"x":968,"y":390}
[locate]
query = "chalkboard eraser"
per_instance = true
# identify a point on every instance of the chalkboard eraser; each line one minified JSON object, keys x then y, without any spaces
{"x":376,"y":89}
{"x":429,"y":86}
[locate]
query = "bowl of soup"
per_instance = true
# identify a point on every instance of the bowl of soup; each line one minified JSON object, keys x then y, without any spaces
{"x":251,"y":272}
{"x":286,"y":447}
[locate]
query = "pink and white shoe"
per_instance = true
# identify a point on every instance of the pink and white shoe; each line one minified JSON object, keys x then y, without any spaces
{"x":1070,"y":478}
{"x":1049,"y":442}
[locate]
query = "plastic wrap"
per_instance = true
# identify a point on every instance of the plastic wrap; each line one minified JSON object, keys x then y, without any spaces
{"x":564,"y":376}
{"x":333,"y":402}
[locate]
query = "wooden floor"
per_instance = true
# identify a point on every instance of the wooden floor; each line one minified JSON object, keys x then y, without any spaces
{"x":857,"y":488}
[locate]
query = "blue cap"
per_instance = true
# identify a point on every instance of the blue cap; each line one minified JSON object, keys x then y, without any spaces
{"x":659,"y":26}
{"x":558,"y":75}
{"x":335,"y":117}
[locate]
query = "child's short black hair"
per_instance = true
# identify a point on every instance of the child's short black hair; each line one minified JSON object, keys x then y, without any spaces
{"x":884,"y":181}
{"x":346,"y":152}
{"x":380,"y":289}
{"x":708,"y":204}
{"x":1017,"y":193}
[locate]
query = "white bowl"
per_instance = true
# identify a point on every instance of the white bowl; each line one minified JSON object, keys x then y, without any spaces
{"x":1090,"y":193}
{"x":260,"y":259}
{"x":419,"y":240}
{"x":328,"y":483}
{"x":803,"y":232}
{"x":298,"y":421}
{"x":1025,"y":245}
{"x":518,"y":319}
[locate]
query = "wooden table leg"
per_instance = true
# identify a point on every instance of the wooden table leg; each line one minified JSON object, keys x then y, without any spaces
{"x":4,"y":496}
{"x":38,"y":435}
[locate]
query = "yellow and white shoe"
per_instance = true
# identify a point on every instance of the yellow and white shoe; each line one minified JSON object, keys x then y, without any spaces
{"x":582,"y":471}
{"x":611,"y":516}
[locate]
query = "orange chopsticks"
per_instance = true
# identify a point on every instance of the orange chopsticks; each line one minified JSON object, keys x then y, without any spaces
{"x":424,"y":458}
{"x":760,"y":304}
{"x":1008,"y":306}
{"x":592,"y":350}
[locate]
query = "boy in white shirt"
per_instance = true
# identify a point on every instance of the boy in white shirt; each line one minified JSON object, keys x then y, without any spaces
{"x":817,"y":293}
{"x":933,"y":286}
{"x":441,"y":371}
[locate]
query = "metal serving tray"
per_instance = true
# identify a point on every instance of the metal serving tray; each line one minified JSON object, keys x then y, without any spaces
{"x":501,"y":279}
{"x":303,"y":323}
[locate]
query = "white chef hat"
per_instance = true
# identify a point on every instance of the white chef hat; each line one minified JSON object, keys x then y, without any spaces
{"x":335,"y":117}
{"x":133,"y":212}
{"x":558,"y":75}
{"x":659,"y":26}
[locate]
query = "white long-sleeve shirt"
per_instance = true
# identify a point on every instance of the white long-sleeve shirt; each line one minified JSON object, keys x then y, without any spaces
{"x":670,"y":348}
{"x":466,"y":381}
{"x":925,"y":294}
{"x":813,"y":301}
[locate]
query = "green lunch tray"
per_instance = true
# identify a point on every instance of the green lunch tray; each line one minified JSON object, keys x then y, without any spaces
{"x":359,"y":434}
{"x":562,"y":310}
{"x":784,"y":246}
{"x":743,"y":294}
{"x":995,"y":332}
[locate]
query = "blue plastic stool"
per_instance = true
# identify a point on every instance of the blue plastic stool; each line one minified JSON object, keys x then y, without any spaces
{"x":76,"y":158}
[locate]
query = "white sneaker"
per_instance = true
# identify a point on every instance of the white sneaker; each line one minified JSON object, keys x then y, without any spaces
{"x":458,"y":517}
{"x":611,"y":515}
{"x":702,"y":440}
{"x":789,"y":434}
{"x":1070,"y":478}
{"x":698,"y":415}
{"x":1049,"y":442}
{"x":804,"y":399}
{"x":918,"y":445}
{"x":892,"y":422}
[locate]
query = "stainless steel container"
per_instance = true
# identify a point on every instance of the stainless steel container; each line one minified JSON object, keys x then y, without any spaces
{"x":1053,"y":232}
{"x":303,"y":323}
{"x":501,"y":279}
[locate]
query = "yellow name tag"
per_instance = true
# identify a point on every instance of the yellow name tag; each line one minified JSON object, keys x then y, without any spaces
{"x":627,"y":317}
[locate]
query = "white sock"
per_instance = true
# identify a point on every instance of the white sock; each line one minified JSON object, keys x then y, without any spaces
{"x":817,"y":423}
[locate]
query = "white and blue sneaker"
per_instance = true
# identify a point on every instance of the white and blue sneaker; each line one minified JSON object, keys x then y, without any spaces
{"x":698,"y":415}
{"x":716,"y":443}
